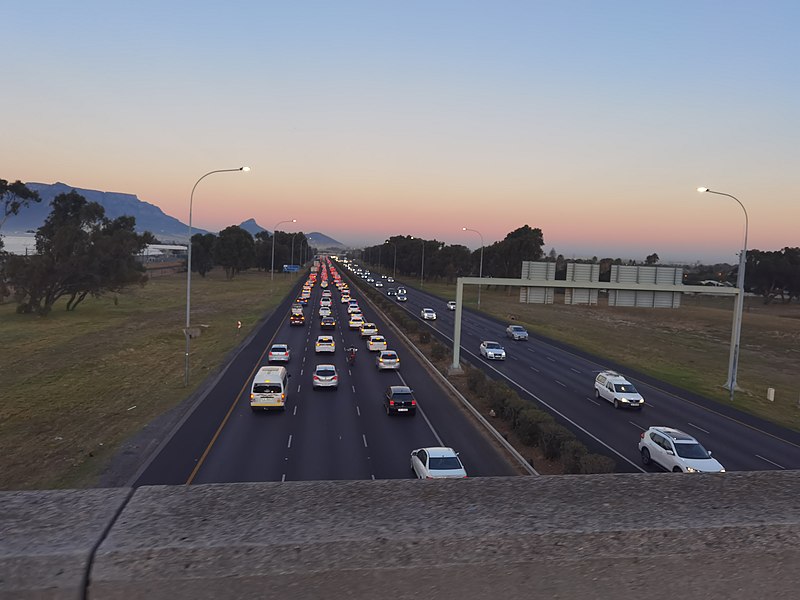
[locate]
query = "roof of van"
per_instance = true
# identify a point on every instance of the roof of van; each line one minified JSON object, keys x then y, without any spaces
{"x":266,"y":374}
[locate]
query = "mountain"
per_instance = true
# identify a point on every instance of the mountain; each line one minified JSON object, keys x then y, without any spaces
{"x":252,"y":227}
{"x":323,"y":242}
{"x":148,"y":216}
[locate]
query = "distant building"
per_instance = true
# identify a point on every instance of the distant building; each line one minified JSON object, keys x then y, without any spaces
{"x":163,"y":253}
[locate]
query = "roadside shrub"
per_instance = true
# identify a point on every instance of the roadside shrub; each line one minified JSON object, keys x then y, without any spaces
{"x":513,"y":406}
{"x":529,"y":424}
{"x":497,"y":397}
{"x":425,"y":337}
{"x":551,"y":436}
{"x":596,"y":463}
{"x":476,"y":380}
{"x":438,"y":351}
{"x":572,"y":451}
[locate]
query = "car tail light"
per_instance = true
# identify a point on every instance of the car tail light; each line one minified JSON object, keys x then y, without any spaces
{"x":641,"y":436}
{"x":336,"y":378}
{"x":316,"y":377}
{"x":391,"y":402}
{"x":413,"y":403}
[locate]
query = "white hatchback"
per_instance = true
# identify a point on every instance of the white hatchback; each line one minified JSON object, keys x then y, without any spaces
{"x":376,"y":343}
{"x":428,"y":314}
{"x":325,"y":343}
{"x":279,"y":353}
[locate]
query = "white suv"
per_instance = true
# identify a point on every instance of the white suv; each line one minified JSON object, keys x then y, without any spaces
{"x":613,"y":387}
{"x":676,"y":451}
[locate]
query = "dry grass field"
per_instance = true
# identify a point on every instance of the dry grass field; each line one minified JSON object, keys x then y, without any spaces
{"x":688,"y":347}
{"x":75,"y":385}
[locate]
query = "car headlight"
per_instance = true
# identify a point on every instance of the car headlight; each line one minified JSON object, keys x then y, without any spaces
{"x":692,"y":470}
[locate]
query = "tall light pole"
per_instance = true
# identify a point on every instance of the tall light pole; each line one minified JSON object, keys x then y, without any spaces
{"x":394,"y":268}
{"x":274,"y":234}
{"x":189,"y":270}
{"x":480,"y":269}
{"x":292,"y":260}
{"x":422,"y":267}
{"x":733,"y":362}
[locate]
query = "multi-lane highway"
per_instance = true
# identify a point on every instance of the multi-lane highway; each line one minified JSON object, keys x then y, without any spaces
{"x":323,"y":434}
{"x":561,"y":380}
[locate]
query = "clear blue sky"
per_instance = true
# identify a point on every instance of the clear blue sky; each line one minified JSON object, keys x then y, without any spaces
{"x":595,"y":120}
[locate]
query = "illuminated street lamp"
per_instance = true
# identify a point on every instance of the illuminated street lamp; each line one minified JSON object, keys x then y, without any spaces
{"x":274,"y":234}
{"x":186,"y":331}
{"x":480,"y":269}
{"x":733,"y":362}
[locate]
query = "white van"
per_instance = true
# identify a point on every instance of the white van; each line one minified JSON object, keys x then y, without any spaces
{"x":269,"y":389}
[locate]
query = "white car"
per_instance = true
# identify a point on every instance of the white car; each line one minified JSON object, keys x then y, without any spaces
{"x":325,"y":376}
{"x":676,"y":451}
{"x":278,"y":353}
{"x":326,"y":293}
{"x":401,"y":297}
{"x":356,"y":321}
{"x":437,"y":463}
{"x":387,"y":359}
{"x":517,"y":332}
{"x":345,"y":298}
{"x":428,"y":314}
{"x":376,"y":343}
{"x":613,"y":387}
{"x":492,"y":351}
{"x":324,"y":311}
{"x":353,"y":308}
{"x":325,"y":343}
{"x":451,"y":305}
{"x":325,"y":302}
{"x":379,"y":283}
{"x":368,"y":329}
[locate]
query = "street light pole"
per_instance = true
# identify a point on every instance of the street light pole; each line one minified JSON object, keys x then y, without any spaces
{"x":189,"y":270}
{"x":480,"y":269}
{"x":292,"y":260}
{"x":733,"y":361}
{"x":394,"y":268}
{"x":274,"y":233}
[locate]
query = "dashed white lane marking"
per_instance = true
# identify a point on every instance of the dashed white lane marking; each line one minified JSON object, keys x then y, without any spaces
{"x":283,"y":477}
{"x":294,"y":412}
{"x":770,"y":462}
{"x":564,"y":385}
{"x":536,"y":370}
{"x":364,"y":437}
{"x":354,"y":388}
{"x":298,"y":387}
{"x":289,"y":445}
{"x":358,"y":412}
{"x":637,"y":426}
{"x":574,"y":370}
{"x":373,"y":477}
{"x":550,"y":358}
{"x":592,"y":400}
{"x":698,"y":427}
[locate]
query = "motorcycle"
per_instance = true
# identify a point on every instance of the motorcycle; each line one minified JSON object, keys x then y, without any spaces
{"x":351,"y":356}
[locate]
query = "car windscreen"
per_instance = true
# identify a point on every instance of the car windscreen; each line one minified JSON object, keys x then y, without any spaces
{"x":517,"y":328}
{"x":267,"y":388}
{"x":493,"y":345}
{"x":444,"y":463}
{"x":625,"y":388}
{"x":691,"y":451}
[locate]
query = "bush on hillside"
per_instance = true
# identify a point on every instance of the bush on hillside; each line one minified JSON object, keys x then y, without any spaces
{"x":438,"y":351}
{"x":476,"y":380}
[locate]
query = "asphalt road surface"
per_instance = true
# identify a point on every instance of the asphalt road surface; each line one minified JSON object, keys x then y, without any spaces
{"x":323,"y":434}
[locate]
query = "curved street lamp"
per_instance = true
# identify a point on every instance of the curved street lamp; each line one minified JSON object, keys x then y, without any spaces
{"x":733,"y":362}
{"x":274,"y":234}
{"x":189,"y":270}
{"x":480,"y":269}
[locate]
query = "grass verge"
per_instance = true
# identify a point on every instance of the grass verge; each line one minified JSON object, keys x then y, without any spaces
{"x":75,"y":385}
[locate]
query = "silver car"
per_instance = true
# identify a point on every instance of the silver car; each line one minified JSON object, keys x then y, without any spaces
{"x":325,"y":376}
{"x":517,"y":332}
{"x":387,"y":359}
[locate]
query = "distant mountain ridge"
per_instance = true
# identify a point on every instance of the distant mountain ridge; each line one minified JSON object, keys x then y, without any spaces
{"x":149,"y":217}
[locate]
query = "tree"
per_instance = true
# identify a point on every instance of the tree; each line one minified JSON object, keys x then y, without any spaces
{"x":203,"y":252}
{"x":15,"y":196}
{"x":235,"y":250}
{"x":79,"y":252}
{"x":651,"y":259}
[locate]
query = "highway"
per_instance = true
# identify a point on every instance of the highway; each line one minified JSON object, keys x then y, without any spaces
{"x":561,"y":379}
{"x":341,"y":434}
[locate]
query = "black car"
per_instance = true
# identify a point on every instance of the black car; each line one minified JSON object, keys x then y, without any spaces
{"x":327,"y":323}
{"x":399,"y":399}
{"x":297,"y":320}
{"x":391,"y":292}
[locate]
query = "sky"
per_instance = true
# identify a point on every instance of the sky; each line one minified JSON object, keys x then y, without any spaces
{"x":595,"y":121}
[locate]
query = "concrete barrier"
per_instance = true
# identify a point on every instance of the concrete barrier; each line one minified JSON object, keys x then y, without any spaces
{"x":619,"y":536}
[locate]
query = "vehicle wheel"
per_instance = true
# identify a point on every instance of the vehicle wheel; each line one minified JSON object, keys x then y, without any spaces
{"x":646,"y":457}
{"x":677,"y":470}
{"x":616,"y":403}
{"x":596,"y":394}
{"x":388,"y":413}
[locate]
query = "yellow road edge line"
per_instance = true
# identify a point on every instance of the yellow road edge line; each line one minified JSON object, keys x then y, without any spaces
{"x":200,"y":462}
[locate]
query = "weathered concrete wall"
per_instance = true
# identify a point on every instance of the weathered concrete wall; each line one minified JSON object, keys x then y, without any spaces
{"x":733,"y":535}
